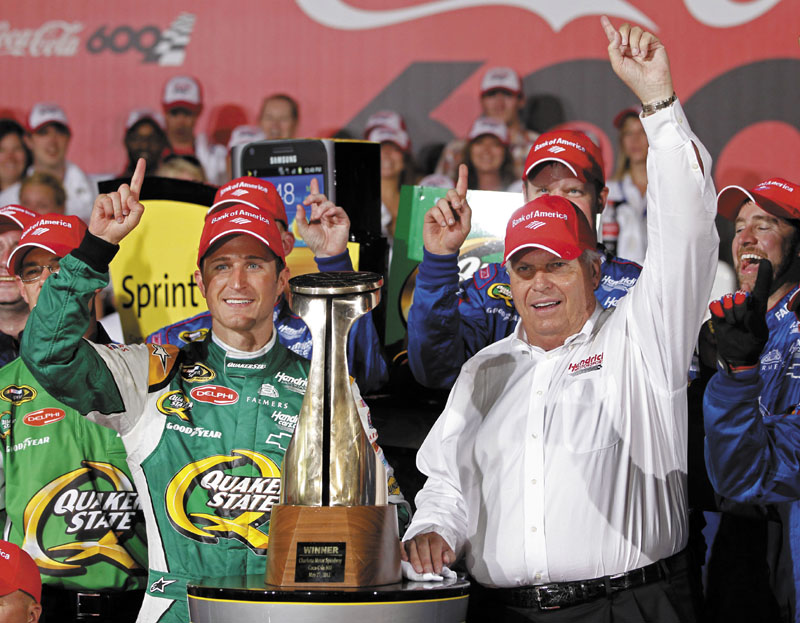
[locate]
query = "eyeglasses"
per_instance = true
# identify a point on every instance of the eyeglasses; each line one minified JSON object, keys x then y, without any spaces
{"x":33,"y":273}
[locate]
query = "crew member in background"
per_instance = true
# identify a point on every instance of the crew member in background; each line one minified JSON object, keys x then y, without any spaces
{"x":487,"y":156}
{"x":625,"y":217}
{"x":182,"y":101}
{"x":279,"y":116}
{"x":448,"y":323}
{"x":189,"y":416}
{"x":42,"y":193}
{"x":144,"y":138}
{"x":501,"y":99}
{"x":68,"y":495}
{"x":364,"y":354}
{"x":14,"y":155}
{"x":48,"y":139}
{"x":750,"y":413}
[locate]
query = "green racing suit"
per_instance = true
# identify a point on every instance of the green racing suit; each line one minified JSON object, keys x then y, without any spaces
{"x":205,"y":428}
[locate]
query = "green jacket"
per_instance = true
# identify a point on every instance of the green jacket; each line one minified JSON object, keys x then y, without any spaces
{"x":68,"y":493}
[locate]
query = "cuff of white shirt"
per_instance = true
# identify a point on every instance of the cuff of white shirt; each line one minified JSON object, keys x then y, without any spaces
{"x":667,"y":128}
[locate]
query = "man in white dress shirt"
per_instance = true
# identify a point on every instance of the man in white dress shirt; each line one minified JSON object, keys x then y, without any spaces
{"x":558,"y":467}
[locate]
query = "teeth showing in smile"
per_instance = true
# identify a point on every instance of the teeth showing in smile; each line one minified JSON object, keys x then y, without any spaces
{"x":543,"y":305}
{"x":749,"y":258}
{"x":7,"y":279}
{"x":238,"y":301}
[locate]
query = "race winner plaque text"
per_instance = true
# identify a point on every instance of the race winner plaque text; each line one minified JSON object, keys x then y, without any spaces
{"x":320,"y":562}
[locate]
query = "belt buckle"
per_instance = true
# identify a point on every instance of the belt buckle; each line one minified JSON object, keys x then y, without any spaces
{"x":542,"y":590}
{"x":89,"y":604}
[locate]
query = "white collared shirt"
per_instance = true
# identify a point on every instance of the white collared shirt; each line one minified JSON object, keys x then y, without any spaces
{"x":570,"y":464}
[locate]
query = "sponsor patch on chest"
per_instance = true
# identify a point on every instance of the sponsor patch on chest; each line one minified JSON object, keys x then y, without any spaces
{"x":589,"y":364}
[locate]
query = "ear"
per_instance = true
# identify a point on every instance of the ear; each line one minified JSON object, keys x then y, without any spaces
{"x":283,"y":280}
{"x":28,"y":141}
{"x":288,"y":240}
{"x":198,"y":279}
{"x":596,"y":274}
{"x":601,"y":199}
{"x":34,"y":612}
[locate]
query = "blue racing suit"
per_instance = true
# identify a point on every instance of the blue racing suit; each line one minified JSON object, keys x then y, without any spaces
{"x":448,"y":324}
{"x":752,"y":422}
{"x":364,"y":355}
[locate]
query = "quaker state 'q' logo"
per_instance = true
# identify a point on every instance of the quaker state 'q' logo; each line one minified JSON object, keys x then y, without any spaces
{"x":225,"y":496}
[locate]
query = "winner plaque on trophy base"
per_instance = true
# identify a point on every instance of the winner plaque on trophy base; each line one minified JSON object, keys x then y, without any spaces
{"x":333,"y":527}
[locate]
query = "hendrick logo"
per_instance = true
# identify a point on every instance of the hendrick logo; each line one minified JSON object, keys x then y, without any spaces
{"x":215,"y":394}
{"x":17,"y":394}
{"x":594,"y":362}
{"x":293,"y":383}
{"x":45,"y":416}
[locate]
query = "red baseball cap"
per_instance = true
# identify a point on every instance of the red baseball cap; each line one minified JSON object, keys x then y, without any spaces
{"x":18,"y":572}
{"x":492,"y":127}
{"x":777,"y":196}
{"x":251,"y":192}
{"x":575,"y":150}
{"x":240,"y":219}
{"x":57,"y":233}
{"x":182,"y":92}
{"x":503,"y":78}
{"x":551,"y":223}
{"x":18,"y":216}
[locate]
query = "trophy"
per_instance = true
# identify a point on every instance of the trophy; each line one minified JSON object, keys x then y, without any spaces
{"x":333,"y":526}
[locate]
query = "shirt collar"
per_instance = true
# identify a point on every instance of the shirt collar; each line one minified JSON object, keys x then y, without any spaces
{"x":519,"y":340}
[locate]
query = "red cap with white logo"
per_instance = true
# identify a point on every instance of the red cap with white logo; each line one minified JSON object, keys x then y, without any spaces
{"x":44,"y":113}
{"x":17,"y":216}
{"x":390,"y":135}
{"x":240,"y":219}
{"x":182,"y":92}
{"x":57,"y":233}
{"x":575,"y":150}
{"x":503,"y":78}
{"x":551,"y":223}
{"x":492,"y":127}
{"x":777,"y":196}
{"x":18,"y":572}
{"x":251,"y":192}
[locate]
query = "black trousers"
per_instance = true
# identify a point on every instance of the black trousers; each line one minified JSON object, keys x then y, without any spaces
{"x":670,"y":600}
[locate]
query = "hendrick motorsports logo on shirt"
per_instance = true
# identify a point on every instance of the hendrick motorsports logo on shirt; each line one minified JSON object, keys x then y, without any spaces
{"x":225,"y":497}
{"x":79,"y":519}
{"x":292,"y":383}
{"x":594,"y":362}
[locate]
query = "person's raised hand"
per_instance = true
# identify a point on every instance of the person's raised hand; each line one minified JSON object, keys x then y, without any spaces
{"x":447,"y":224}
{"x":115,"y":215}
{"x":640,"y":60}
{"x":327,"y":227}
{"x":739,"y":322}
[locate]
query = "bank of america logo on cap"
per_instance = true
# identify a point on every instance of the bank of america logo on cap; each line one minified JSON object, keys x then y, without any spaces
{"x":240,"y":220}
{"x":535,"y":225}
{"x":555,"y":149}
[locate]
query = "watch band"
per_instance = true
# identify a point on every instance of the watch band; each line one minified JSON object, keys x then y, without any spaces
{"x":649,"y":109}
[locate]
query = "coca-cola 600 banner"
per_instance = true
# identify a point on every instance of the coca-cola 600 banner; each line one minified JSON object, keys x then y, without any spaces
{"x":736,"y":65}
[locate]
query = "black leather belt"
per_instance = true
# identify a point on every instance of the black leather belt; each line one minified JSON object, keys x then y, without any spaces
{"x":60,"y":604}
{"x":564,"y":594}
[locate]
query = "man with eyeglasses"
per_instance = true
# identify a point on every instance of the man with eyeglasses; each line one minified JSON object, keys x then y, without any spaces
{"x":68,"y":493}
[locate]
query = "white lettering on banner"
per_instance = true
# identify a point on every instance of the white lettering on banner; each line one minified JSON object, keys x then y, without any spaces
{"x":53,"y":38}
{"x":728,"y":13}
{"x":338,"y":14}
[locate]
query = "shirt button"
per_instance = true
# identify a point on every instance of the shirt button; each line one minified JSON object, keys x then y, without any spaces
{"x":539,"y":392}
{"x":533,"y":481}
{"x":538,"y":576}
{"x":533,"y":528}
{"x":695,"y":166}
{"x":534,"y":435}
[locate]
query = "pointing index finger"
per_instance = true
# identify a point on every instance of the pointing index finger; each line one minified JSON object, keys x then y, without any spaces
{"x":760,"y":292}
{"x":313,"y":187}
{"x":138,"y":178}
{"x":461,"y":184}
{"x":609,"y":29}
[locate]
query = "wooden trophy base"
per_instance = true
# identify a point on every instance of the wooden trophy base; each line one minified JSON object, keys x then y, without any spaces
{"x":333,"y":546}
